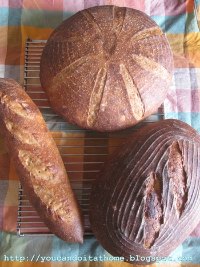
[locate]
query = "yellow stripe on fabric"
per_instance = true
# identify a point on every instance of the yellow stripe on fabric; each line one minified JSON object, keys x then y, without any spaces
{"x":186,"y":49}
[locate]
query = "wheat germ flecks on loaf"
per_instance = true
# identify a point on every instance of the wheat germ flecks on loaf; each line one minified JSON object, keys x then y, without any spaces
{"x":106,"y":68}
{"x":38,"y":162}
{"x":146,"y":199}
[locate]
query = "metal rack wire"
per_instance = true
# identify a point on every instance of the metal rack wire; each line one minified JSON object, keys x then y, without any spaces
{"x":83,"y":151}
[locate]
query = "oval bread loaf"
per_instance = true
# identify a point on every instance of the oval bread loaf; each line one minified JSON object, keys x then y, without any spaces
{"x":38,"y":162}
{"x":106,"y":68}
{"x":147,"y":197}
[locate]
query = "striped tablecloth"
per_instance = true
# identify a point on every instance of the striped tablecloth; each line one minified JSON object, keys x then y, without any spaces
{"x":20,"y":19}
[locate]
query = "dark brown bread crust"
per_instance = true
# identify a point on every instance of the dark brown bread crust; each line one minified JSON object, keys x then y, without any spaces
{"x":106,"y":68}
{"x":38,"y":162}
{"x":146,"y":199}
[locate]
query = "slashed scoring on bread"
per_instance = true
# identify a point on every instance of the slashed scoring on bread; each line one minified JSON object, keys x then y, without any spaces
{"x":106,"y":68}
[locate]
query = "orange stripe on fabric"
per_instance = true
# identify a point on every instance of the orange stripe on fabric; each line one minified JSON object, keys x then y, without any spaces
{"x":3,"y":44}
{"x":189,"y":6}
{"x":17,"y":39}
{"x":33,"y":33}
{"x":36,"y":33}
{"x":14,"y":46}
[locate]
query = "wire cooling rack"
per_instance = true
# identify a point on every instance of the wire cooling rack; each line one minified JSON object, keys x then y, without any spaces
{"x":83,"y":151}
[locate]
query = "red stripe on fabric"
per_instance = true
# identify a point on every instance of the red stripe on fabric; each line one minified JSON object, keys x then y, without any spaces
{"x":157,"y":8}
{"x":140,"y":5}
{"x":30,"y":4}
{"x":44,"y":5}
{"x":91,"y":3}
{"x":11,"y":3}
{"x":73,"y":5}
{"x":189,"y":6}
{"x":174,"y":7}
{"x":1,"y":217}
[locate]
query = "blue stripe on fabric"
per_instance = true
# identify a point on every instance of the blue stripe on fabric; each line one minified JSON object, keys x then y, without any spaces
{"x":67,"y":14}
{"x":183,"y":23}
{"x":191,"y":248}
{"x":34,"y":18}
{"x":14,"y":16}
{"x":91,"y":247}
{"x":40,"y":18}
{"x":192,"y":119}
{"x":171,"y":24}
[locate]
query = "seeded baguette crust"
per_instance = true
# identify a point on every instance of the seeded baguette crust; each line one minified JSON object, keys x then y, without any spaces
{"x":38,"y":162}
{"x":106,"y":68}
{"x":146,"y":199}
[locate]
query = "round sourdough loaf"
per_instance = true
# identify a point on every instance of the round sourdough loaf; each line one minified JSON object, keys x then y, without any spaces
{"x":106,"y":68}
{"x":146,"y":199}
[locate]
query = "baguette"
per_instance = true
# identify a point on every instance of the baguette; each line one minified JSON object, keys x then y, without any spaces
{"x":38,"y":162}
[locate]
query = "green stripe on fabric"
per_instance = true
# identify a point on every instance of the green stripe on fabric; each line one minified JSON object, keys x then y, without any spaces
{"x":43,"y":19}
{"x":36,"y":18}
{"x":25,"y":247}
